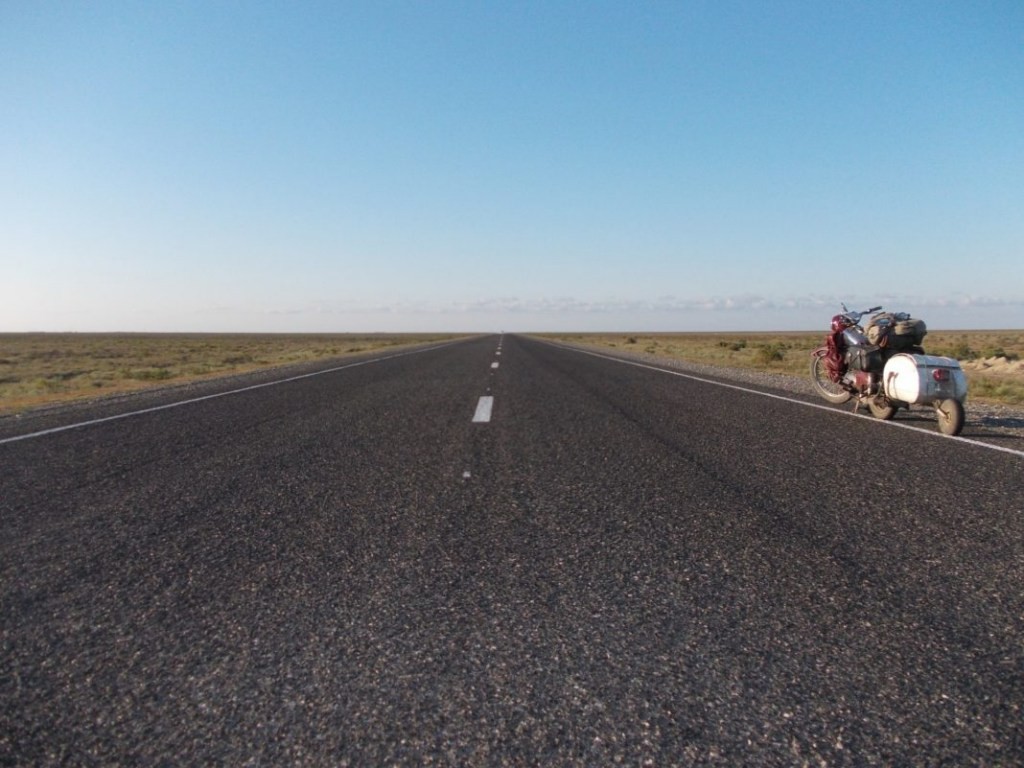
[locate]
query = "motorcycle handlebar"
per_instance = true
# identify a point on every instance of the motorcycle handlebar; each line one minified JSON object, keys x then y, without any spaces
{"x":855,"y":317}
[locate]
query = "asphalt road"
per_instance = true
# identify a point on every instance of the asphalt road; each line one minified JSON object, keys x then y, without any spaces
{"x":620,"y":565}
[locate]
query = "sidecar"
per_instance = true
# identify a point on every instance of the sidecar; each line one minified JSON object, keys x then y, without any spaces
{"x":928,"y":380}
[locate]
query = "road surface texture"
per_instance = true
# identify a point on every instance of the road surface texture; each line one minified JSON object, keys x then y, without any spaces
{"x":604,"y":563}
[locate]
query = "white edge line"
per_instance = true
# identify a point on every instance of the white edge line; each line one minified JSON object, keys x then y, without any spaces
{"x":804,"y":403}
{"x":193,"y":400}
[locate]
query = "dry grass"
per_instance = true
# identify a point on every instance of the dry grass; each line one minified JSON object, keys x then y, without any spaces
{"x":43,"y":368}
{"x":39,"y":369}
{"x":790,"y":353}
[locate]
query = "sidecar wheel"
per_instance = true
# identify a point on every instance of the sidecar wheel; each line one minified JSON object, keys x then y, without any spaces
{"x":824,"y":386}
{"x":951,"y":416}
{"x":881,"y":408}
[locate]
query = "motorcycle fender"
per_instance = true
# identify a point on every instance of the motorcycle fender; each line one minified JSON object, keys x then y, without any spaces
{"x":923,"y":379}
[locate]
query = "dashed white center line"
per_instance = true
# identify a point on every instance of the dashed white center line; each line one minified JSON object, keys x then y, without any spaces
{"x":483,"y":409}
{"x":494,"y":365}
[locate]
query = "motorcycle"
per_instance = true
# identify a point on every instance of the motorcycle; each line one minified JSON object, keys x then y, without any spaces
{"x":884,"y":367}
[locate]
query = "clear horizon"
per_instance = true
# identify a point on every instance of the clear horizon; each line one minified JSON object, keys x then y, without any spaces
{"x":537,"y":166}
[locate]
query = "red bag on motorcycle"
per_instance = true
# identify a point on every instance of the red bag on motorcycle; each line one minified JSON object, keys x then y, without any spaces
{"x":835,"y":359}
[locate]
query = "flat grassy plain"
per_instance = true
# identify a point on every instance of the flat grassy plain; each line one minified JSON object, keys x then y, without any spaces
{"x":45,"y":368}
{"x":39,"y":369}
{"x":992,"y":360}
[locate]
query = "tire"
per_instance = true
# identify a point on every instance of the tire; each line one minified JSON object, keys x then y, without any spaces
{"x":951,"y":416}
{"x":823,"y":385}
{"x":881,"y":408}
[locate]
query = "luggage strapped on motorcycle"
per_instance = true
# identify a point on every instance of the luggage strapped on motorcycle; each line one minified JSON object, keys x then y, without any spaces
{"x":896,"y":331}
{"x":835,"y":361}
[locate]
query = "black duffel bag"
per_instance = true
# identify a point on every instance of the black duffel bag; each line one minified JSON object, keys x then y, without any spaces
{"x":864,"y":358}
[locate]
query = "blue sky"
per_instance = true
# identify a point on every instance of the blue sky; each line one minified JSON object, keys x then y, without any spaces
{"x":401,"y":166}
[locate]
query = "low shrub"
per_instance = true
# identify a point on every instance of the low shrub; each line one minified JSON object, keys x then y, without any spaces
{"x":999,"y":389}
{"x":960,"y":350}
{"x":149,"y":374}
{"x":989,"y":352}
{"x":771,"y":353}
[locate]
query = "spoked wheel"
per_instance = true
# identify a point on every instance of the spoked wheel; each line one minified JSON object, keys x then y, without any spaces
{"x":824,"y":386}
{"x":951,"y":416}
{"x":881,"y":408}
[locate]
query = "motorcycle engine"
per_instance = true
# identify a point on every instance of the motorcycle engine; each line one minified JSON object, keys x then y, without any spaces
{"x":864,"y":382}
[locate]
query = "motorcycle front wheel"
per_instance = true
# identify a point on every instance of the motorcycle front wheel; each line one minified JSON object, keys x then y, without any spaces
{"x":951,"y":416}
{"x":825,"y":387}
{"x":881,"y":408}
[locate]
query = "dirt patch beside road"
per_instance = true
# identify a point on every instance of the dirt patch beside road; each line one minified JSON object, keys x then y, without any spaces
{"x":996,"y":365}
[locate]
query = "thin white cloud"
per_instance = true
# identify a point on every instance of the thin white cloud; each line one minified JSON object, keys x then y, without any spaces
{"x":667,"y":304}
